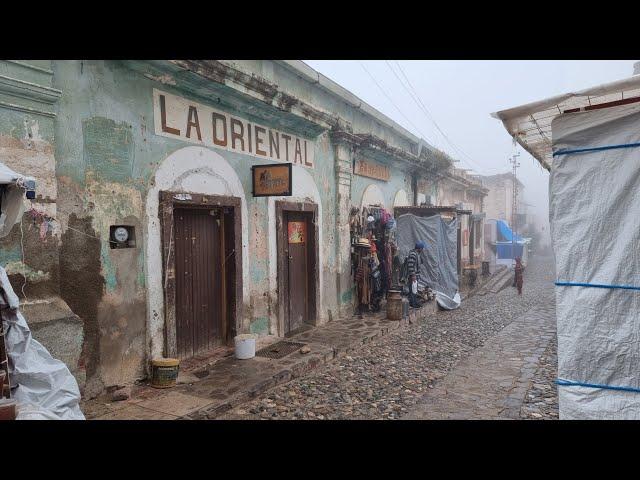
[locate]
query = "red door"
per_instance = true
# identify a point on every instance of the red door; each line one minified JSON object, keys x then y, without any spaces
{"x":200,"y":309}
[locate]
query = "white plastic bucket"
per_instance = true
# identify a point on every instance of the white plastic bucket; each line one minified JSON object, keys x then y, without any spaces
{"x":245,"y":346}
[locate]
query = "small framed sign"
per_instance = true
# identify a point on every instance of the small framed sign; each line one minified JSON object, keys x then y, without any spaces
{"x":297,"y":232}
{"x":271,"y":180}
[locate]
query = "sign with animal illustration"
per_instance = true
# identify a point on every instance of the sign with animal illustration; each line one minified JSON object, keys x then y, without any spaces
{"x":271,"y":180}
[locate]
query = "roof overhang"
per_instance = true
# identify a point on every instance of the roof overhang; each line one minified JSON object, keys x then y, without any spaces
{"x":424,"y":211}
{"x":530,"y":124}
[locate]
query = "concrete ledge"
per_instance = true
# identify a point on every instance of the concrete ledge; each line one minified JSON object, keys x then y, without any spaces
{"x":59,"y":330}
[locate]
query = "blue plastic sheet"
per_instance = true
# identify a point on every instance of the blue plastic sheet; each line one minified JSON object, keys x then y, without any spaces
{"x":505,"y":233}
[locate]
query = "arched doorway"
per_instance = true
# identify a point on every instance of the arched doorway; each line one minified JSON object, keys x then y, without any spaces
{"x":373,"y":195}
{"x":401,"y":199}
{"x":197,"y":196}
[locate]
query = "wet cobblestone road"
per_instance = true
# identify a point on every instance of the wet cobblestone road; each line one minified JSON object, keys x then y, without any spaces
{"x":492,"y":358}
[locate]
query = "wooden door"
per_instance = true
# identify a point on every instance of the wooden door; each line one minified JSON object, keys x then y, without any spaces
{"x":200,"y":318}
{"x":297,"y":250}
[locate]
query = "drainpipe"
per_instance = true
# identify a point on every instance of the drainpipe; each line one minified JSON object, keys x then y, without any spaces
{"x":414,"y":187}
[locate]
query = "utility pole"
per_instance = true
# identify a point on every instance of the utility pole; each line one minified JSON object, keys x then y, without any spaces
{"x":514,"y":203}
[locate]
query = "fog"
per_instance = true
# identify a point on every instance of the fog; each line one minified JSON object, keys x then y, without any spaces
{"x":459,"y":97}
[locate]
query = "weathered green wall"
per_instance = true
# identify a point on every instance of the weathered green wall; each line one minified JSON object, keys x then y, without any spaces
{"x":86,"y":131}
{"x":26,"y":146}
{"x":399,"y":179}
{"x":30,"y":253}
{"x":107,"y":154}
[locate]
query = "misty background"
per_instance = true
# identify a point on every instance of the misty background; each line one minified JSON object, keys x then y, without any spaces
{"x":449,"y":103}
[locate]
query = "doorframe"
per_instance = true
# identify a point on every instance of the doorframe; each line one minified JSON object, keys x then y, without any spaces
{"x":283,"y":206}
{"x":169,"y":200}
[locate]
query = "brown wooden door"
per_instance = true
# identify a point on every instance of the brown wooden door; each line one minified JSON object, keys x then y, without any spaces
{"x":297,"y":248}
{"x":200,"y":322}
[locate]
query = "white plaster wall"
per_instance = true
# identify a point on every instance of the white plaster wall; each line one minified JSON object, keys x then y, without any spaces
{"x":401,"y":199}
{"x":373,"y":195}
{"x":304,"y":189}
{"x":190,"y":170}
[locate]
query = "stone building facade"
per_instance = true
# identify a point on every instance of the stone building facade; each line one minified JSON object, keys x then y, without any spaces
{"x":458,"y":187}
{"x":161,"y":149}
{"x":499,"y":201}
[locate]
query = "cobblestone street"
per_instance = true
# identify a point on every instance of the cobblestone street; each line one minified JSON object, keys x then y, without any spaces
{"x":492,"y":358}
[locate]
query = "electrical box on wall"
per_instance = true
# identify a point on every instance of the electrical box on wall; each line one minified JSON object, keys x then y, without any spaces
{"x":122,"y":236}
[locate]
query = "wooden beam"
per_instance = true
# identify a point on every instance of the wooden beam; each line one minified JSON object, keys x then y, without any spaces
{"x":604,"y":105}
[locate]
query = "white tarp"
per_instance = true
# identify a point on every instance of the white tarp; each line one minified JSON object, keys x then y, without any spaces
{"x":595,"y":229}
{"x":12,"y":202}
{"x":42,"y":386}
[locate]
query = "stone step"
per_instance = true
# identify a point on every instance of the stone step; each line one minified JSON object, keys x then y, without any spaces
{"x":496,"y":283}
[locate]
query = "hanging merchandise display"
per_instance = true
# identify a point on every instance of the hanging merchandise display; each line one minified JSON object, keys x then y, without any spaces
{"x":373,"y":249}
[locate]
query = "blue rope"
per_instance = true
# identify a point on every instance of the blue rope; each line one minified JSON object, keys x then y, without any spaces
{"x":563,"y":151}
{"x":596,"y":285}
{"x":570,"y":383}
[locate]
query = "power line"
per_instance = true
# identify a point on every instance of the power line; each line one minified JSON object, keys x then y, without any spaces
{"x":426,"y":111}
{"x":392,"y":102}
{"x":411,"y":94}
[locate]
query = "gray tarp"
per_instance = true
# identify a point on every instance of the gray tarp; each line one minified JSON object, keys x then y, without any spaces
{"x":439,"y":267}
{"x":44,"y":386}
{"x":595,"y":229}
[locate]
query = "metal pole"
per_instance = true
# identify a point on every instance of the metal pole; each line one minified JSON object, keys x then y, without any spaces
{"x":514,"y":205}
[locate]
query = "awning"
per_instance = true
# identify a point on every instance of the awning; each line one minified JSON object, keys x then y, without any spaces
{"x":530,"y":124}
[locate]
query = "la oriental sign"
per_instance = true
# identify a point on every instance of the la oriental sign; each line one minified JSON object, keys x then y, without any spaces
{"x":177,"y":117}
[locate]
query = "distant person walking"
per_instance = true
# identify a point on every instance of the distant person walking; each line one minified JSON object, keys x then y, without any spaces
{"x":519,"y":277}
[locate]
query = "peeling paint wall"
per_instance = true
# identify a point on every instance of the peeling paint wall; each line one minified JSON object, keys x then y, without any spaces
{"x":107,"y":166}
{"x":27,"y":146}
{"x":111,"y":172}
{"x":31,"y":251}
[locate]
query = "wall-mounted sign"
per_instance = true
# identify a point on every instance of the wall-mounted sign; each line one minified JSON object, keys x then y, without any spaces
{"x":297,"y":232}
{"x":177,"y":117}
{"x":371,"y":170}
{"x":271,"y":180}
